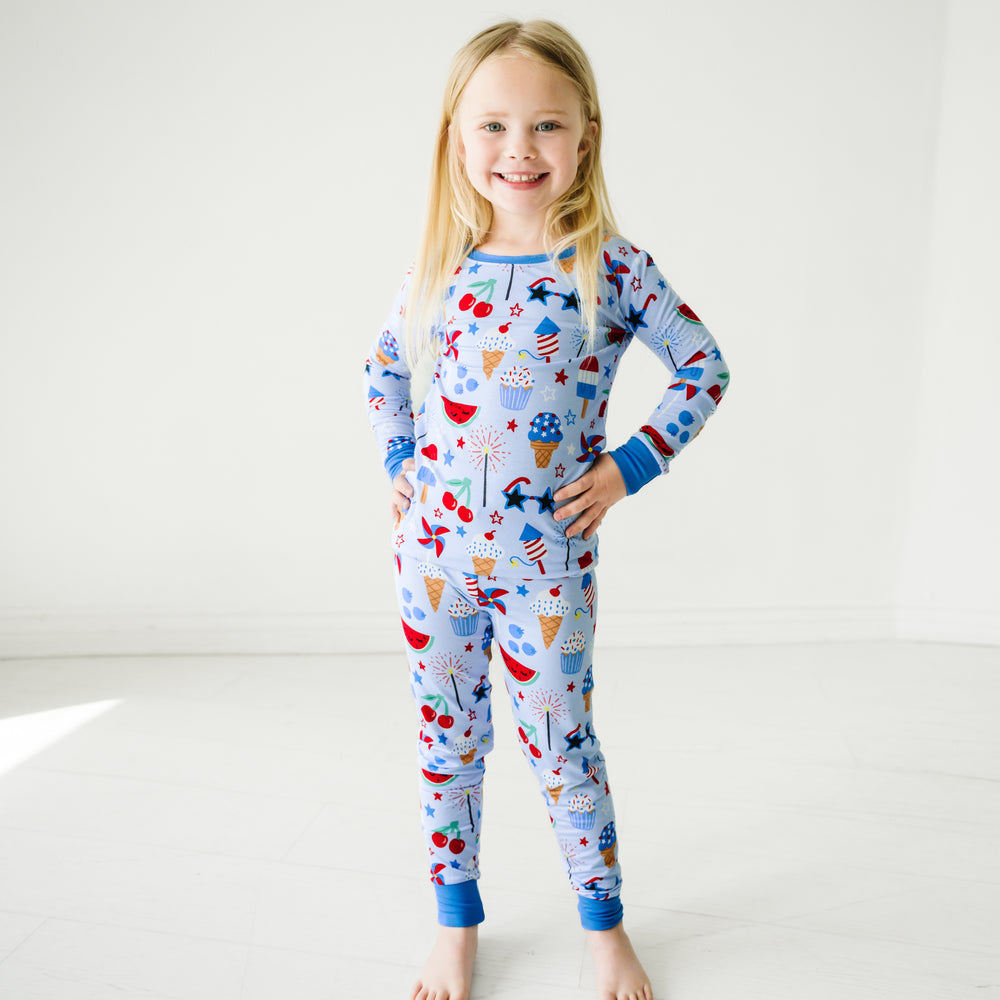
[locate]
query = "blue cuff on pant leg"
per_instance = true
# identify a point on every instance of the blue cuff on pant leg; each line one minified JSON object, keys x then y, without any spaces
{"x":599,"y":914}
{"x":459,"y":905}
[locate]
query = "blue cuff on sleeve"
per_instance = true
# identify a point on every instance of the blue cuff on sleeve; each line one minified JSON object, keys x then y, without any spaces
{"x":636,"y":464}
{"x":400,"y":449}
{"x":459,"y":904}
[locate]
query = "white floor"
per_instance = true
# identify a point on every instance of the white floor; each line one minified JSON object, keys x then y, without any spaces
{"x":799,"y":821}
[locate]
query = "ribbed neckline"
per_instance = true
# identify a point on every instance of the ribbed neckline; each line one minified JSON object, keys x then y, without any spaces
{"x":531,"y":258}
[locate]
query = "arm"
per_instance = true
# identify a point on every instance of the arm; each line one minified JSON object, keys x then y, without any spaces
{"x":387,"y":390}
{"x":652,"y":311}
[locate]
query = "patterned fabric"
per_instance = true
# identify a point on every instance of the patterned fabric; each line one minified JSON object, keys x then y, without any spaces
{"x":544,"y":630}
{"x":518,"y":404}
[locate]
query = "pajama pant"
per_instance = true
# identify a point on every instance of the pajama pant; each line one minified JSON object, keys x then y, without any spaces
{"x":545,"y":633}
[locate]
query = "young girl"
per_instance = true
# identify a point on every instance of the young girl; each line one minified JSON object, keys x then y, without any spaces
{"x":528,"y":299}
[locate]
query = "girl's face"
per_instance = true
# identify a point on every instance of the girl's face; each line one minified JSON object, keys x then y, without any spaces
{"x":521,"y":136}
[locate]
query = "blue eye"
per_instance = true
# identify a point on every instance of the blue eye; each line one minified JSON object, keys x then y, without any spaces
{"x":548,"y":126}
{"x":489,"y":126}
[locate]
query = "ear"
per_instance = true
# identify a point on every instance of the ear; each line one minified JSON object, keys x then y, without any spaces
{"x":587,"y":140}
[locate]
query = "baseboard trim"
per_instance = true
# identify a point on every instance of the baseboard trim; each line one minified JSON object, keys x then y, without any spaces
{"x":947,"y":625}
{"x":125,"y":633}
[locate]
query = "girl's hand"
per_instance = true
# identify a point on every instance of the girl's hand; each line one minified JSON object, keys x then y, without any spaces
{"x":595,"y":491}
{"x":401,"y":492}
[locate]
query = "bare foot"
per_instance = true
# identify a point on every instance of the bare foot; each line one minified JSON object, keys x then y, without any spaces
{"x":619,"y":974}
{"x":447,"y":974}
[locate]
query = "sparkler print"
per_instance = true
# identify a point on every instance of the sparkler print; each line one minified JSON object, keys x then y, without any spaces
{"x":459,"y":797}
{"x":489,"y":450}
{"x":447,"y":667}
{"x":550,"y":706}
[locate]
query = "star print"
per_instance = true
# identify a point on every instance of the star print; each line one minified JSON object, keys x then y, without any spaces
{"x":546,"y":502}
{"x":421,"y":665}
{"x":634,"y":318}
{"x":515,"y":498}
{"x":399,"y":541}
{"x":548,"y":393}
{"x":571,"y":686}
{"x":455,"y":864}
{"x":623,"y":251}
{"x":570,"y":301}
{"x":717,"y":354}
{"x":430,"y":812}
{"x":512,"y":425}
{"x":460,"y":531}
{"x":539,"y":292}
{"x":520,"y":695}
{"x":437,"y":796}
{"x":515,"y":309}
{"x":460,"y":442}
{"x":662,"y":283}
{"x":570,"y":418}
{"x":607,"y":790}
{"x":496,"y":517}
{"x":571,"y":449}
{"x":573,"y":739}
{"x":560,"y":471}
{"x":468,"y":647}
{"x":561,"y":376}
{"x":442,"y":739}
{"x":417,"y":679}
{"x":607,"y":371}
{"x":561,"y":759}
{"x":522,"y":590}
{"x":583,"y":841}
{"x":473,"y":329}
{"x":448,"y":457}
{"x":472,"y":714}
{"x":474,"y":269}
{"x":438,"y":512}
{"x":636,"y":283}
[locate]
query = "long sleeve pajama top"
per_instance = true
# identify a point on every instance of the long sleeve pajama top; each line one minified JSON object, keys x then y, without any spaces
{"x":518,"y":403}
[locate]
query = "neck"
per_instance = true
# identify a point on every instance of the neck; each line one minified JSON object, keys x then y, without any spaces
{"x":513,"y":241}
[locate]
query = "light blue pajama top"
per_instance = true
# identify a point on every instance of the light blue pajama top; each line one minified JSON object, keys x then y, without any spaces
{"x":517,"y":406}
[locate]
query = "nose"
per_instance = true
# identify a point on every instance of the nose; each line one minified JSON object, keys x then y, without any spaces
{"x":521,"y":145}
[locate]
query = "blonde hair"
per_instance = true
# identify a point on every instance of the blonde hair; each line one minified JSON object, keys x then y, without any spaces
{"x":459,"y":217}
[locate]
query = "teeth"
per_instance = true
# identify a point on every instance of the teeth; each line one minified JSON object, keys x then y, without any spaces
{"x":520,"y":178}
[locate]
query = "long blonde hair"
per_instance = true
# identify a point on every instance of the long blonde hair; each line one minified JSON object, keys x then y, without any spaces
{"x":459,"y":217}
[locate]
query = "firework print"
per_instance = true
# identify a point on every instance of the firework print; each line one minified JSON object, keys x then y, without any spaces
{"x":518,"y":405}
{"x":543,"y":635}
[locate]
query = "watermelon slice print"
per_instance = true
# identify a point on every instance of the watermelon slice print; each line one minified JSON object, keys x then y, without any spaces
{"x":433,"y":778}
{"x":417,"y":640}
{"x":458,"y":414}
{"x":520,"y":673}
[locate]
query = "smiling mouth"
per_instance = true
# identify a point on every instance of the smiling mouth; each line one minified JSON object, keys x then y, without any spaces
{"x":521,"y":178}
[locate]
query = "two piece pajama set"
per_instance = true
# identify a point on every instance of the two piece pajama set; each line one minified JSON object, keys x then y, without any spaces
{"x":516,"y":409}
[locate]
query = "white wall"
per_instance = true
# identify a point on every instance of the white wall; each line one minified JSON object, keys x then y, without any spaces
{"x":208,"y":207}
{"x":949,"y":584}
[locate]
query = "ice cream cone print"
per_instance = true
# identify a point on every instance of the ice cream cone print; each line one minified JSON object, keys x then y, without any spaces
{"x":609,"y":855}
{"x":551,"y":609}
{"x":483,"y":567}
{"x":433,"y":582}
{"x":555,"y":793}
{"x":490,"y":360}
{"x":587,"y":695}
{"x":543,"y":452}
{"x":549,"y":625}
{"x":435,"y":588}
{"x":383,"y":358}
